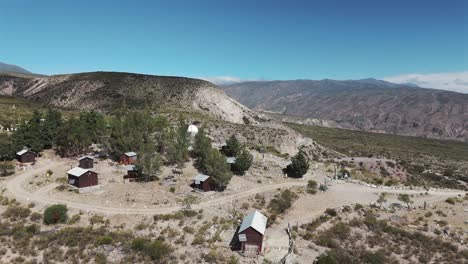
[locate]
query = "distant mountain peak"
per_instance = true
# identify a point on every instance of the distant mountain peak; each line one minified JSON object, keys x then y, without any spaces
{"x":10,"y":68}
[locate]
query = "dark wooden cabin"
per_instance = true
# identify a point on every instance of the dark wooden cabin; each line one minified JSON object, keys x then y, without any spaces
{"x":128,"y":158}
{"x":203,"y":183}
{"x":251,"y":233}
{"x":26,"y":156}
{"x":81,"y":178}
{"x":131,"y":172}
{"x":86,"y":162}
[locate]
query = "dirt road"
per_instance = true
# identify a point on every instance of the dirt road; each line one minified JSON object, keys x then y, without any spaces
{"x":339,"y":194}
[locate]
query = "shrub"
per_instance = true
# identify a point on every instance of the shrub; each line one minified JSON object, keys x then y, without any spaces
{"x":55,"y":214}
{"x":16,"y":212}
{"x":96,"y":219}
{"x":281,"y":202}
{"x":35,"y":217}
{"x":104,"y":240}
{"x":331,"y":212}
{"x":172,"y":189}
{"x":450,"y":201}
{"x":428,"y":214}
{"x":312,"y":187}
{"x":358,"y":207}
{"x":74,"y":219}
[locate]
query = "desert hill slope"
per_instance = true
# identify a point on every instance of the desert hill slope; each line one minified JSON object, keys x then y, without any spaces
{"x":368,"y":105}
{"x":204,"y":102}
{"x":108,"y":91}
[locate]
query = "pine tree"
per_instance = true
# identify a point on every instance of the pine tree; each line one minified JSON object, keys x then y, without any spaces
{"x":243,"y":161}
{"x":201,"y":149}
{"x":148,"y":165}
{"x":299,"y":165}
{"x":177,"y":151}
{"x":217,"y":167}
{"x":233,"y":147}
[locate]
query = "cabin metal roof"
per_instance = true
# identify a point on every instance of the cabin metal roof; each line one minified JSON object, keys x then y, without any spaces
{"x":130,"y":167}
{"x":86,"y":157}
{"x":201,"y":177}
{"x":22,"y":152}
{"x":77,"y":171}
{"x":256,"y":220}
{"x":130,"y":154}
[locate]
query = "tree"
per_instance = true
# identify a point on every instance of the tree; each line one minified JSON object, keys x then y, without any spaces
{"x":243,"y":162}
{"x":51,"y":126}
{"x":30,"y":134}
{"x":405,"y":198}
{"x":177,"y":151}
{"x":233,"y":147}
{"x":148,"y":166}
{"x":201,"y":149}
{"x":382,"y":199}
{"x":298,"y":167}
{"x":216,"y":166}
{"x":72,"y":139}
{"x":55,"y":214}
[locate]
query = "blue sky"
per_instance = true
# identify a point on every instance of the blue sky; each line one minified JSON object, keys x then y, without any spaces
{"x":263,"y":39}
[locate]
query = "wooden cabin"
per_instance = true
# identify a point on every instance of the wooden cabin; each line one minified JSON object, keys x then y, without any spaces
{"x":81,"y":178}
{"x":131,"y":172}
{"x":251,"y":233}
{"x":128,"y":158}
{"x":26,"y":156}
{"x":203,"y":183}
{"x":86,"y":162}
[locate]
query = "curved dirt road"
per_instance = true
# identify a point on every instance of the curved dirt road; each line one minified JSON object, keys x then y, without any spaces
{"x":41,"y":197}
{"x":350,"y":192}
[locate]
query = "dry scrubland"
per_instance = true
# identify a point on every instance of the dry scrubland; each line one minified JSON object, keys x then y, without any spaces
{"x":153,"y":227}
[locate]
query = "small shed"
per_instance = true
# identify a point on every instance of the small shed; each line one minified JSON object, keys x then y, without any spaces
{"x":81,"y":178}
{"x":128,"y":158}
{"x":86,"y":162}
{"x":231,"y":160}
{"x":131,"y":172}
{"x":26,"y":156}
{"x":203,"y":182}
{"x":252,"y":231}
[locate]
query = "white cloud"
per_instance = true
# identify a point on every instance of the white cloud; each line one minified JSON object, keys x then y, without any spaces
{"x":451,"y":81}
{"x":224,"y":80}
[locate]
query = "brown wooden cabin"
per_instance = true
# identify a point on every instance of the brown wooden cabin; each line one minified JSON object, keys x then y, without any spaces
{"x":251,"y":233}
{"x":203,"y":183}
{"x":131,"y":172}
{"x":81,"y":178}
{"x":26,"y":156}
{"x":86,"y":162}
{"x":128,"y":158}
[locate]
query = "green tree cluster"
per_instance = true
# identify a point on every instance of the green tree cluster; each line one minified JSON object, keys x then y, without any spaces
{"x":299,"y":165}
{"x":210,"y":161}
{"x":243,"y":157}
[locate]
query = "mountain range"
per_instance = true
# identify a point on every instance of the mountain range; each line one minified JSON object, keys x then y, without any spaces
{"x":368,"y":105}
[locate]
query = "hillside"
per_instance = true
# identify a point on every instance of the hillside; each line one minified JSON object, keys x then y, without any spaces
{"x":442,"y":163}
{"x":109,"y":91}
{"x":368,"y":105}
{"x":198,"y":100}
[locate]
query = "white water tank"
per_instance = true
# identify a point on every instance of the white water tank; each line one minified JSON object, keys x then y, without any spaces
{"x":192,"y":130}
